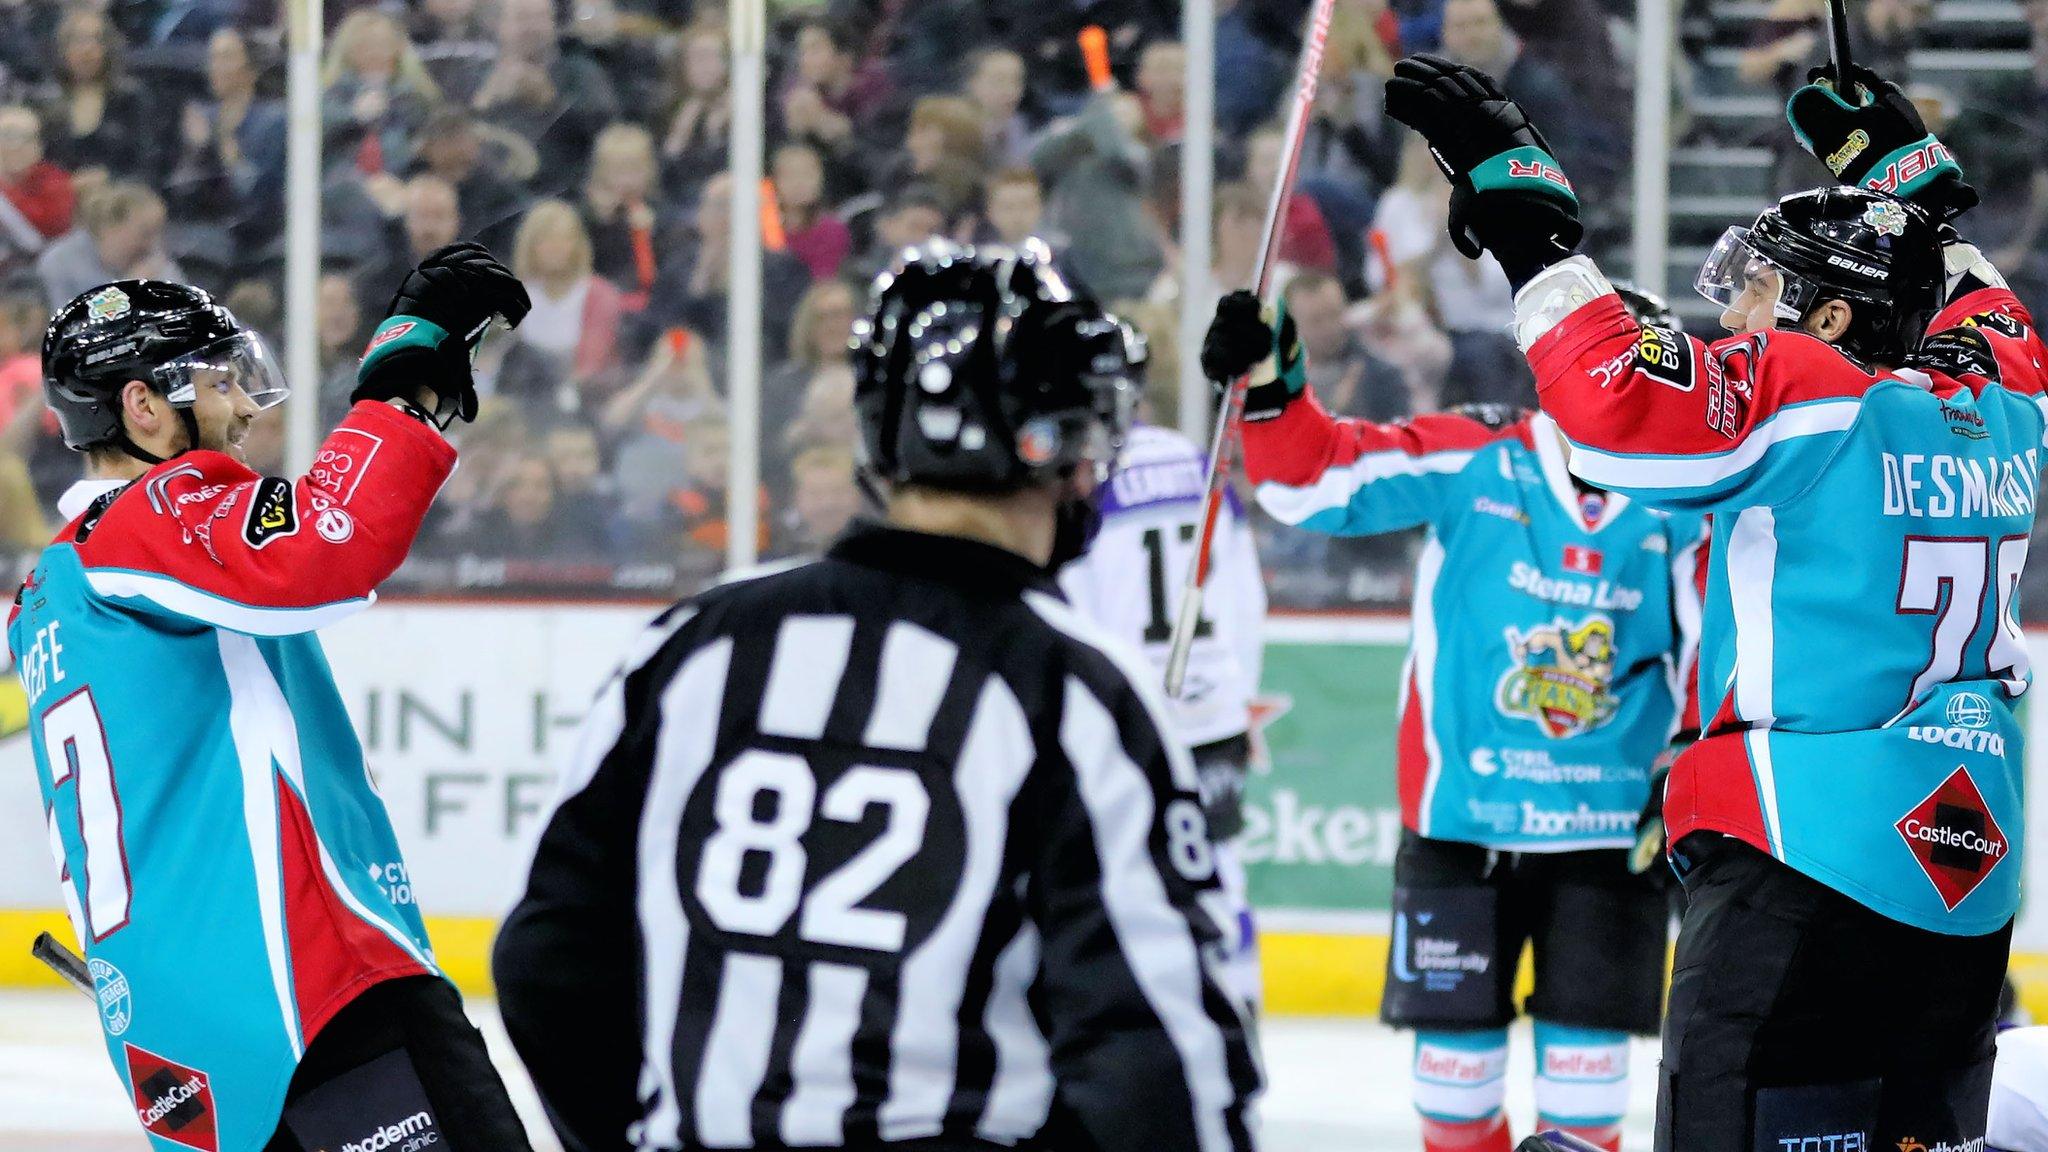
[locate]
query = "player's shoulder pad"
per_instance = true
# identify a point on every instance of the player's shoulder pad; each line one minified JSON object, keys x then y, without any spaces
{"x":1959,"y":351}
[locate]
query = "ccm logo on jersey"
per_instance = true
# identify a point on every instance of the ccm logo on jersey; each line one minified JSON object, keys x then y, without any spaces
{"x":272,"y":515}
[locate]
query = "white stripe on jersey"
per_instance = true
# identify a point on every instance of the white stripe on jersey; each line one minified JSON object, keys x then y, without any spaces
{"x":1422,"y":663}
{"x":737,"y":1048}
{"x":1157,"y":942}
{"x":601,"y":728}
{"x":1620,"y":471}
{"x":1752,"y":570}
{"x":916,"y":668}
{"x":821,"y":1065}
{"x":682,"y":752}
{"x":1292,"y":504}
{"x":1020,"y":1096}
{"x":995,"y":757}
{"x":189,"y":602}
{"x":803,"y":678}
{"x":253,"y":746}
{"x":1143,"y":678}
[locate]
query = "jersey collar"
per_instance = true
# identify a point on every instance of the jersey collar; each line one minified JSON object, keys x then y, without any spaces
{"x":77,"y":498}
{"x":1558,"y":478}
{"x":948,"y":559}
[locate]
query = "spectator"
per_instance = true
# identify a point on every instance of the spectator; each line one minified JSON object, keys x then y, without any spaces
{"x":697,"y":511}
{"x":1014,"y":208}
{"x":554,"y":100}
{"x":1240,"y":237}
{"x":1471,"y":299}
{"x":1474,"y":34}
{"x":943,"y":148}
{"x":35,"y":195}
{"x":339,"y":325}
{"x":583,"y":494}
{"x":826,"y":415}
{"x":1045,"y":34}
{"x":228,"y":186}
{"x":1348,"y":380}
{"x":1571,"y":37}
{"x":696,"y":116}
{"x":913,"y":215}
{"x":428,"y":216}
{"x":454,"y":45}
{"x":94,"y":114}
{"x":995,"y":82}
{"x":692,"y":292}
{"x":816,"y":235}
{"x":452,"y":150}
{"x":619,"y":201}
{"x":492,"y":445}
{"x":120,"y":237}
{"x":528,"y":522}
{"x":1351,"y":151}
{"x":823,"y":499}
{"x":377,"y":93}
{"x":1304,"y":236}
{"x":829,"y":106}
{"x":624,"y":47}
{"x":818,"y":335}
{"x":1257,"y":71}
{"x":574,"y":325}
{"x":22,"y":317}
{"x":1162,"y":84}
{"x":649,"y":420}
{"x":1097,"y":170}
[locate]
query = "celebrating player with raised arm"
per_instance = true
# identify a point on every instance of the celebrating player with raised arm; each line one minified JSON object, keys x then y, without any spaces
{"x":1869,"y":444}
{"x":1550,"y":619}
{"x":220,"y":839}
{"x":894,"y":849}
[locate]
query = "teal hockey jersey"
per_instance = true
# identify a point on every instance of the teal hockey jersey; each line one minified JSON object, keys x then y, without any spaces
{"x":230,"y":869}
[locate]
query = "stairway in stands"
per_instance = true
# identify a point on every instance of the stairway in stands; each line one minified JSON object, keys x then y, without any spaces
{"x":1724,"y":169}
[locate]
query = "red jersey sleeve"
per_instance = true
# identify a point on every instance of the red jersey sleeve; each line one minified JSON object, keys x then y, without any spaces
{"x":203,"y":537}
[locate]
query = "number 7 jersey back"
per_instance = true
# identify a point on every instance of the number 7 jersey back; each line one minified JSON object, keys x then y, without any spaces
{"x":1861,"y":653}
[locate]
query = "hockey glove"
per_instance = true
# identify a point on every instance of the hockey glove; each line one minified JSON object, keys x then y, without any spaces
{"x":1649,"y":849}
{"x":435,"y":324}
{"x":1877,"y":140}
{"x":1247,"y":338}
{"x":1508,"y":194}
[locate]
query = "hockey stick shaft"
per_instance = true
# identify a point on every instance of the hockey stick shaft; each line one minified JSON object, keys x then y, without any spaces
{"x":1230,"y":411}
{"x":64,"y":962}
{"x":1838,"y":47}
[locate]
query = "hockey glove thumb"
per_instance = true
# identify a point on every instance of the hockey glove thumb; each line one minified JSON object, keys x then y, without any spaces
{"x":1509,"y":196}
{"x":1248,"y":338}
{"x":1649,"y":849}
{"x":436,"y":323}
{"x":1874,"y":138}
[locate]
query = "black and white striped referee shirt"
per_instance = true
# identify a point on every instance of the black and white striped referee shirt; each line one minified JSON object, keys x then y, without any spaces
{"x":887,"y":849}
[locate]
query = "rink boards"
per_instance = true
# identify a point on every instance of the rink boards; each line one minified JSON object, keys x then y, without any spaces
{"x":465,"y":709}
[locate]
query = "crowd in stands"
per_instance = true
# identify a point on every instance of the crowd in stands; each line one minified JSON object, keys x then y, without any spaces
{"x":586,"y":141}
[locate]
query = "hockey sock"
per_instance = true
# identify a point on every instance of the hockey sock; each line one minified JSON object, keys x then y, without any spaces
{"x":1461,"y":1090}
{"x":1582,"y":1082}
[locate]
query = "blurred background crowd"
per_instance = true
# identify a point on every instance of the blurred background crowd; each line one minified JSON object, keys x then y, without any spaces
{"x":586,"y":141}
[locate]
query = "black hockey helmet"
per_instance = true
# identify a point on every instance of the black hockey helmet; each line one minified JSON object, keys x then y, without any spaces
{"x":1648,"y":308}
{"x":984,"y":369}
{"x":1879,"y":254}
{"x":161,"y":333}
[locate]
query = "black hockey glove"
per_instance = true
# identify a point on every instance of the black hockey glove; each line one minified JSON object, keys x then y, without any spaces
{"x":1649,"y":850}
{"x":1508,"y":194}
{"x":1877,"y":140}
{"x":1247,"y":338}
{"x":434,"y":326}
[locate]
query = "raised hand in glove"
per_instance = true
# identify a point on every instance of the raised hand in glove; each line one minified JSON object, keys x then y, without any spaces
{"x":1246,"y":337}
{"x":429,"y":337}
{"x":1875,"y":139}
{"x":1508,"y":194}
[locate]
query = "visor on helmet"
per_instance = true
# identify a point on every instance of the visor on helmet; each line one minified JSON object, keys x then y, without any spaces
{"x":1737,"y":277}
{"x":240,"y":360}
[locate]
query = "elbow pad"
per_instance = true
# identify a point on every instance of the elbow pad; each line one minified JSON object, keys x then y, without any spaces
{"x":1555,"y":293}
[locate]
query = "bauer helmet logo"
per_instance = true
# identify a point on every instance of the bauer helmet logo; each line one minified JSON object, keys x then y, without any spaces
{"x":1887,"y":217}
{"x":107,"y":304}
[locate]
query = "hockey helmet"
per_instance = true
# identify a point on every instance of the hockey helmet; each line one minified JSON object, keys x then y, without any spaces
{"x":1648,"y":308}
{"x":1879,"y":254}
{"x":172,"y":337}
{"x":984,"y":369}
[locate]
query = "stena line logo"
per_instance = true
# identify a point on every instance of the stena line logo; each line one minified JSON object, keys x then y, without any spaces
{"x":408,"y":1135}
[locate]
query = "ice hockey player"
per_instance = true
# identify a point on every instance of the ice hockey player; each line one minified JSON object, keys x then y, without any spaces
{"x":221,"y":842}
{"x":1551,"y":619}
{"x":1150,"y":508}
{"x":894,"y":849}
{"x":1868,"y":442}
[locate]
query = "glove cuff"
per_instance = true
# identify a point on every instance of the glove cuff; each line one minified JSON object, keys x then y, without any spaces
{"x":395,"y":335}
{"x":1906,"y":172}
{"x":1524,"y":169}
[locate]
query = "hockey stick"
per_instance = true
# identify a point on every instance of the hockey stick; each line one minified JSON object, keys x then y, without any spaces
{"x":1838,"y":48}
{"x":1231,"y":410}
{"x":64,"y":962}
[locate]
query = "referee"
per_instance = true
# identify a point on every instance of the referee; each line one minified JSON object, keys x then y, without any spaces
{"x":889,"y":849}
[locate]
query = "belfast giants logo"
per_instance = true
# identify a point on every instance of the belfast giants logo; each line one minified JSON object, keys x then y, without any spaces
{"x":1562,"y":676}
